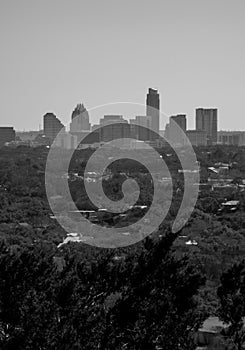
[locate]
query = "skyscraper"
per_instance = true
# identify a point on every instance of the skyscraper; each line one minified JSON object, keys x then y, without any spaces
{"x":197,"y":137}
{"x":113,"y":127}
{"x":80,"y":119}
{"x":140,"y":127}
{"x":179,"y":119}
{"x":177,"y":124}
{"x":152,"y":108}
{"x":206,"y":120}
{"x":51,"y":126}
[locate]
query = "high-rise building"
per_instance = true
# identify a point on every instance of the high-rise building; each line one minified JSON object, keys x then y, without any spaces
{"x":140,"y":127}
{"x":7,"y":134}
{"x":51,"y":126}
{"x":80,"y":119}
{"x":153,"y":108}
{"x":113,"y":127}
{"x":197,"y":137}
{"x":179,"y":119}
{"x":207,"y":120}
{"x":177,"y":128}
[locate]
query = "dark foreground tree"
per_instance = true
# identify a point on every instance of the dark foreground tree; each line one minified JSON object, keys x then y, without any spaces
{"x":231,"y":295}
{"x":85,"y":298}
{"x":157,"y":308}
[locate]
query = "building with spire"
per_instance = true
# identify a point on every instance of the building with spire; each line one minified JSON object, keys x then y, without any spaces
{"x":80,"y":119}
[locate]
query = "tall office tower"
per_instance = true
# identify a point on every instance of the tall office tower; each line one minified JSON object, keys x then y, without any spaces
{"x":7,"y":134}
{"x":140,"y":127}
{"x":79,"y":119}
{"x":177,"y":124}
{"x":114,"y":127}
{"x":51,"y":126}
{"x":152,"y":108}
{"x":206,"y":120}
{"x":197,"y":137}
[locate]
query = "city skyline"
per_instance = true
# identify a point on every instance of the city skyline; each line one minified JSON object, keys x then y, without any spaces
{"x":54,"y":55}
{"x":205,"y":133}
{"x":163,"y":119}
{"x":152,"y":118}
{"x":144,"y":127}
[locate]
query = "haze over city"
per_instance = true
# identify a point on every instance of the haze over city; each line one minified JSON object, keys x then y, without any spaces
{"x":122,"y":175}
{"x":56,"y":54}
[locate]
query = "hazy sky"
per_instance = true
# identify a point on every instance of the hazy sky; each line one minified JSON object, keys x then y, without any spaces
{"x":57,"y":53}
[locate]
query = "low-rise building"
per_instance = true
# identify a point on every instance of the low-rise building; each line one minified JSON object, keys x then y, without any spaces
{"x":231,"y":138}
{"x":7,"y":134}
